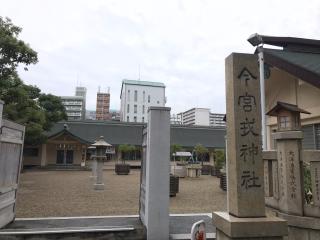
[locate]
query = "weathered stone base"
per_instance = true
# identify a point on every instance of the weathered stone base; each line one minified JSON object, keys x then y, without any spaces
{"x":262,"y":228}
{"x":306,"y":228}
{"x":98,"y":186}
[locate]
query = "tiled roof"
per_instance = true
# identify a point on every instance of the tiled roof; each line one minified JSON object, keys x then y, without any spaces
{"x":117,"y":133}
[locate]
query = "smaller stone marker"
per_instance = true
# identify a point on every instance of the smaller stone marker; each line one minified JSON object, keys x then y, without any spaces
{"x":101,"y":147}
{"x":245,"y":174}
{"x":289,"y":136}
{"x":315,"y":182}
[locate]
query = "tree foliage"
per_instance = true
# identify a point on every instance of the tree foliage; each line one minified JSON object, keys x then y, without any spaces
{"x":201,"y":152}
{"x":24,"y":104}
{"x":175,"y":148}
{"x":220,"y":158}
{"x":125,"y":149}
{"x":13,"y":51}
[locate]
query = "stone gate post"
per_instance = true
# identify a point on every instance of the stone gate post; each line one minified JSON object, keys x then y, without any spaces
{"x":245,"y":218}
{"x":157,"y":173}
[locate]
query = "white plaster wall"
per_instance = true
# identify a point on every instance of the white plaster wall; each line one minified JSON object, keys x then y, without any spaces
{"x":202,"y":116}
{"x":157,"y":98}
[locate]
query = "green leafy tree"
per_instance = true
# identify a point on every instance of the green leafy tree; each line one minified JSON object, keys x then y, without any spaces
{"x":220,"y":158}
{"x":125,"y":149}
{"x":201,"y":152}
{"x":24,"y":104}
{"x":13,"y":51}
{"x":175,"y":148}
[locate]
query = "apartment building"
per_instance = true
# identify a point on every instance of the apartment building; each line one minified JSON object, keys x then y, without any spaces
{"x":201,"y":116}
{"x":137,"y":96}
{"x":75,"y":105}
{"x":216,"y":120}
{"x":103,"y":106}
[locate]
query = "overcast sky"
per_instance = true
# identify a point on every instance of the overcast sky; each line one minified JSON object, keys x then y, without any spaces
{"x":180,"y":43}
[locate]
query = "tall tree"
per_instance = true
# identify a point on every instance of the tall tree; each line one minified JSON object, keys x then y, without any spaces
{"x":200,"y":151}
{"x":13,"y":51}
{"x":24,"y":103}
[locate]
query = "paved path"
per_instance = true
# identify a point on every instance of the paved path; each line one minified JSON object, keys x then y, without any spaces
{"x":70,"y":193}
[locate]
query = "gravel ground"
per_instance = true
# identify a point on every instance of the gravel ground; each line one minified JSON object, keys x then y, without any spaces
{"x":70,"y":193}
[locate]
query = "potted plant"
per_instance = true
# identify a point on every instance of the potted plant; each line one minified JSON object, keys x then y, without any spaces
{"x":123,"y":168}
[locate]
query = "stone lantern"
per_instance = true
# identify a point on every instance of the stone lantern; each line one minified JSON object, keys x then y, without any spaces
{"x":288,"y":138}
{"x":288,"y":116}
{"x":101,"y":148}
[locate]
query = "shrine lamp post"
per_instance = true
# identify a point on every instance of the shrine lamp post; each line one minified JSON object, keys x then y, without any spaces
{"x":100,"y":155}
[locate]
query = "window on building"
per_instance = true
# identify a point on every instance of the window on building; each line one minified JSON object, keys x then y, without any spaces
{"x":128,"y":108}
{"x":128,"y":95}
{"x":148,"y":98}
{"x":135,"y":119}
{"x":142,"y":119}
{"x":143,"y":109}
{"x":135,"y":95}
{"x":284,"y":122}
{"x":127,"y":118}
{"x":135,"y":109}
{"x":144,"y":96}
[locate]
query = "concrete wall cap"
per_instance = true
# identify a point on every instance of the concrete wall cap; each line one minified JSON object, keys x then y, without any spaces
{"x":288,"y":135}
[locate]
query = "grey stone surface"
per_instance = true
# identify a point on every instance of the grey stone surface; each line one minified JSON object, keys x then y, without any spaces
{"x":315,"y":182}
{"x":99,"y":185}
{"x":288,"y":135}
{"x":157,"y":173}
{"x":244,"y":143}
{"x":290,"y":192}
{"x":248,"y":228}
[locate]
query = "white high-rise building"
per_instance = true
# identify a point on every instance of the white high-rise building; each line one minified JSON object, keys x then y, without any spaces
{"x":137,"y":96}
{"x":202,"y":117}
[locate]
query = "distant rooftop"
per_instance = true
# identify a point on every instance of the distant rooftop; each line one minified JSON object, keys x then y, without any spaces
{"x":143,"y":83}
{"x":72,"y":97}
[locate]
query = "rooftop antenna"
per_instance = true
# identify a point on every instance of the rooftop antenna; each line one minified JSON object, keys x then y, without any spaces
{"x":109,"y":90}
{"x":139,"y":72}
{"x":98,"y":89}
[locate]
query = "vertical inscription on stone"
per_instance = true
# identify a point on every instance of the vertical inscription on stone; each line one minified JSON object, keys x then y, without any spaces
{"x":292,"y":178}
{"x":315,"y":182}
{"x":245,"y":175}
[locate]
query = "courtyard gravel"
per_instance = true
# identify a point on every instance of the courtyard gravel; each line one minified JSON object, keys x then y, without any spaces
{"x":70,"y":193}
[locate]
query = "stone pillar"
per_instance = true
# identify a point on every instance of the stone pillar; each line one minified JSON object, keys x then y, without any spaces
{"x":288,"y":155}
{"x":99,"y":185}
{"x":315,"y":182}
{"x":43,"y":162}
{"x":211,"y":157}
{"x":1,"y":109}
{"x":157,"y":173}
{"x":93,"y":168}
{"x":246,"y":205}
